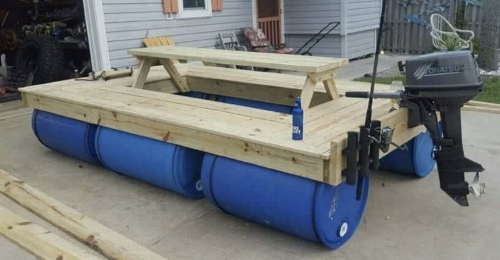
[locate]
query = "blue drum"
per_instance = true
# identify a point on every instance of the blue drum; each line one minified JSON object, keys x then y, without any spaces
{"x":66,"y":135}
{"x":417,"y":160}
{"x":162,"y":164}
{"x":312,"y":210}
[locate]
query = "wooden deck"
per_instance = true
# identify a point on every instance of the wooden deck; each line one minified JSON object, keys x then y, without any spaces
{"x":250,"y":135}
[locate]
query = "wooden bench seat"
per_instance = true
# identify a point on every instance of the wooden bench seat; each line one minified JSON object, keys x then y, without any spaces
{"x":278,"y":88}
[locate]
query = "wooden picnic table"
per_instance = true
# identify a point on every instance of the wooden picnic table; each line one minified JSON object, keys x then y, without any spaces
{"x":318,"y":69}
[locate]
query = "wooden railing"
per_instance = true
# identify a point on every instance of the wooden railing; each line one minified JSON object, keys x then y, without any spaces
{"x":271,"y":26}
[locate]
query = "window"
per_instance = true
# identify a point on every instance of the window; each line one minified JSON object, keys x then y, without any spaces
{"x":194,"y":4}
{"x":195,"y":8}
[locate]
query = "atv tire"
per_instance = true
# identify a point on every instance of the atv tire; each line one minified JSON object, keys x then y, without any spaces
{"x":17,"y":78}
{"x":42,"y":55}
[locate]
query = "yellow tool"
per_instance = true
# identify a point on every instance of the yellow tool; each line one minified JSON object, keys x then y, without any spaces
{"x":115,"y":73}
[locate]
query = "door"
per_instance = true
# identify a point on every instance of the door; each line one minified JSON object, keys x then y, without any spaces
{"x":269,"y":19}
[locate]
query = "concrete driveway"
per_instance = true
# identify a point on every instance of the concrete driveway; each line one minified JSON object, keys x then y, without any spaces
{"x":405,"y":219}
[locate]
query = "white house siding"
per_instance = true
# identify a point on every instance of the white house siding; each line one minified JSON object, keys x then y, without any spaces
{"x":330,"y":46}
{"x":355,"y":37}
{"x":127,"y":22}
{"x":360,"y":44}
{"x":308,"y":17}
{"x":362,"y":18}
{"x":361,"y":15}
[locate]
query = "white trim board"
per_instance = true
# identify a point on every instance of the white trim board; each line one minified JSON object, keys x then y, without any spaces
{"x":254,"y":14}
{"x":282,"y":17}
{"x":96,"y":31}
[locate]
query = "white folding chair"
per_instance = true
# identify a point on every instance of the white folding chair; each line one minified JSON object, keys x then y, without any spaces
{"x":442,"y":31}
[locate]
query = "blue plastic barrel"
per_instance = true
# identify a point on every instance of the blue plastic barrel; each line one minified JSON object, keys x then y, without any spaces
{"x":195,"y":94}
{"x":256,"y":104}
{"x":418,"y":160}
{"x":66,"y":135}
{"x":295,"y":205}
{"x":162,"y":164}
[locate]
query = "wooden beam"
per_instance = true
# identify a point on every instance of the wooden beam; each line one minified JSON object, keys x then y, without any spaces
{"x":38,"y":240}
{"x":331,"y":166}
{"x":179,"y":82}
{"x":253,"y":91}
{"x":331,"y":89}
{"x":99,"y":237}
{"x":319,"y":77}
{"x":307,"y":93}
{"x":144,"y":67}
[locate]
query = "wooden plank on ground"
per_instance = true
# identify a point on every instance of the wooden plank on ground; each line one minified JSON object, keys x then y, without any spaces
{"x":38,"y":240}
{"x":99,"y":237}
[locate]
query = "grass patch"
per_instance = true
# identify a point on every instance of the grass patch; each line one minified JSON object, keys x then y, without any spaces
{"x":491,"y":91}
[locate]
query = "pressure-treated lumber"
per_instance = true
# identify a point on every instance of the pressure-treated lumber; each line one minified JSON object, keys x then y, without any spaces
{"x":250,"y":135}
{"x":38,"y":240}
{"x":144,"y":67}
{"x":318,"y":69}
{"x":99,"y":237}
{"x":159,"y":41}
{"x":245,"y":134}
{"x":307,"y":93}
{"x":263,"y":60}
{"x":398,"y":120}
{"x":331,"y":89}
{"x":179,"y":82}
{"x":277,"y":88}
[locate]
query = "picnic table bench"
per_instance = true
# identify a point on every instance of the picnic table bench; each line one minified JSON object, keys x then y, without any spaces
{"x":318,"y":69}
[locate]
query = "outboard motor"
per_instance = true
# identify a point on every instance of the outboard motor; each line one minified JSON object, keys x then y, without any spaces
{"x":439,"y":82}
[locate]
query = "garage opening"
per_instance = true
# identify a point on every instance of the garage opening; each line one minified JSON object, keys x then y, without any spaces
{"x":41,"y":41}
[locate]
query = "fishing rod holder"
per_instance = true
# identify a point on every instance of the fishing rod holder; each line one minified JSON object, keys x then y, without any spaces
{"x":363,"y":152}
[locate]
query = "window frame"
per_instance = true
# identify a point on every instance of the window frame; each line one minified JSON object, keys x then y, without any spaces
{"x":186,"y":14}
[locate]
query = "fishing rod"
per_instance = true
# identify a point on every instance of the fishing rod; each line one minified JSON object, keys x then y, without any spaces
{"x":375,"y":65}
{"x":364,"y":147}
